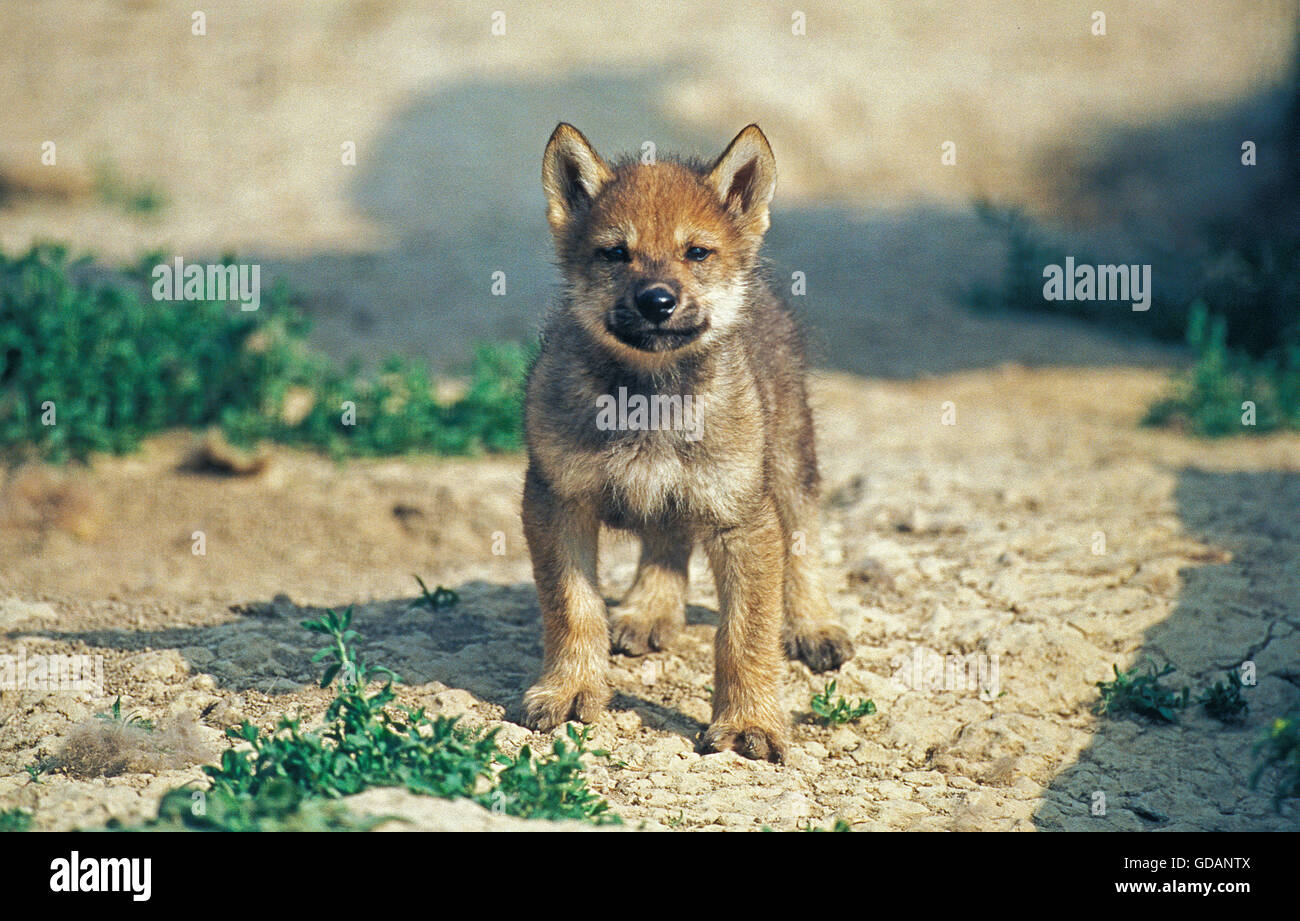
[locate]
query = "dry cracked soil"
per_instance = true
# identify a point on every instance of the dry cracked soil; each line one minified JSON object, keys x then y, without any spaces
{"x":1044,"y":533}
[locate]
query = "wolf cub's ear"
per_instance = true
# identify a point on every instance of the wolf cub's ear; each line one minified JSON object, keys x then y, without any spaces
{"x":745,"y":177}
{"x":572,"y":174}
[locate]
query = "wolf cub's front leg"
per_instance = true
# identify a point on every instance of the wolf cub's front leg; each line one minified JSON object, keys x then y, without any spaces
{"x":562,"y":540}
{"x":748,"y":565}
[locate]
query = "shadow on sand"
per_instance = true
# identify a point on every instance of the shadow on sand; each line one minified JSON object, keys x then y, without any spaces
{"x":1241,"y":605}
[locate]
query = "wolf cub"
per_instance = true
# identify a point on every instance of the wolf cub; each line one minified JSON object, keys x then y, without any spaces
{"x":668,"y":400}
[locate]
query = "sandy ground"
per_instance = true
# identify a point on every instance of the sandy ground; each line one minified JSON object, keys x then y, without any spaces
{"x":973,"y":538}
{"x":977,"y":537}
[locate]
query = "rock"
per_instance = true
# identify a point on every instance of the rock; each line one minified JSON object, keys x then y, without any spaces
{"x":428,"y":813}
{"x":163,"y":665}
{"x":800,"y":760}
{"x":14,"y":612}
{"x":849,"y":493}
{"x":627,"y":721}
{"x":512,"y":735}
{"x":843,"y":739}
{"x":871,"y":571}
{"x":454,"y":702}
{"x":791,"y":805}
{"x":215,"y":454}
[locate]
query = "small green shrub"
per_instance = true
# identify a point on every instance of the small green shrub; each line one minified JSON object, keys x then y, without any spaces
{"x":1212,"y":397}
{"x":831,"y":710}
{"x":15,"y":820}
{"x":1139,"y":691}
{"x":550,"y":787}
{"x":437,"y":600}
{"x":280,"y":806}
{"x":114,"y":715}
{"x":269,"y":777}
{"x":114,"y":365}
{"x":1224,"y":700}
{"x":1279,"y":754}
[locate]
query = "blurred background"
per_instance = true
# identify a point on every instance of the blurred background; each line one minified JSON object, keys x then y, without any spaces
{"x":1126,"y":144}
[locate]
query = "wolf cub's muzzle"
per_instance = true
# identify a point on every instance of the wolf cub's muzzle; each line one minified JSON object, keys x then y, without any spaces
{"x":652,"y":318}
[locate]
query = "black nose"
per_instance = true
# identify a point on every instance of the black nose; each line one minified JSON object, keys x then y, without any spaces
{"x":656,"y":304}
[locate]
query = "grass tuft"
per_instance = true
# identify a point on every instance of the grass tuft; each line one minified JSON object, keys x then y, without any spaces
{"x":1226,"y":391}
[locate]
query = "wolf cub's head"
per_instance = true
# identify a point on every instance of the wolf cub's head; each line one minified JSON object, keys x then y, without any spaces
{"x":657,"y":256}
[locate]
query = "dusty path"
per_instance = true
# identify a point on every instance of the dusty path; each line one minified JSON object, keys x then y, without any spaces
{"x":972,"y":538}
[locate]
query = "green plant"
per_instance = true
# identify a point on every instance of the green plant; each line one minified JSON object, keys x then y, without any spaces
{"x":15,"y":820}
{"x":550,"y":787}
{"x":438,"y":599}
{"x":836,"y":711}
{"x":1227,"y":391}
{"x":90,"y":361}
{"x":1224,"y":700}
{"x":1029,"y":251}
{"x":114,"y":715}
{"x":267,"y":778}
{"x":1235,"y":304}
{"x":279,"y":807}
{"x":839,"y":825}
{"x":1138,"y":690}
{"x":1279,"y":755}
{"x":347,"y":660}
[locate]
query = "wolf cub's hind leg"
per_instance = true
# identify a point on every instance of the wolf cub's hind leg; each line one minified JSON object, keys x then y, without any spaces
{"x":809,"y":631}
{"x":562,"y":540}
{"x":654,"y":609}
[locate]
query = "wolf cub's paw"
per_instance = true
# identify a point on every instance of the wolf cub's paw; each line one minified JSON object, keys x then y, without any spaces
{"x":551,"y":702}
{"x":823,"y":647}
{"x":635,"y":632}
{"x":753,"y":742}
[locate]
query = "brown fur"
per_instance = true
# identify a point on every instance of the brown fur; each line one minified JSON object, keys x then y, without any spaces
{"x":745,"y":488}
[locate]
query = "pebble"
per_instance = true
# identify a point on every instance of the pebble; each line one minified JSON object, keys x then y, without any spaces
{"x":844,"y":739}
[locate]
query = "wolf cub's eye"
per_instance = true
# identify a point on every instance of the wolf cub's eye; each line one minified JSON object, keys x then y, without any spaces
{"x":698,"y":253}
{"x":614,"y":253}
